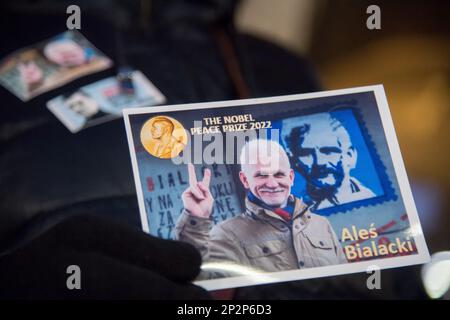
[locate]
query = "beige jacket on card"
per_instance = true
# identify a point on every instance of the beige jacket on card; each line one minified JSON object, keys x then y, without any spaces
{"x":262,"y":240}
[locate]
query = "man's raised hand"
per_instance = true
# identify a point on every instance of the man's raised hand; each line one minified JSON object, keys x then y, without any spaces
{"x":197,"y":199}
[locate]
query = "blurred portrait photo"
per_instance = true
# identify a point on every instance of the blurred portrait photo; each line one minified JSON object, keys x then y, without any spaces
{"x":52,"y":63}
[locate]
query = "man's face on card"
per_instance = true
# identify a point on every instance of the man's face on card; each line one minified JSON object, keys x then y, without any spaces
{"x":270,"y":181}
{"x":66,"y":53}
{"x":158,"y":130}
{"x":83,"y":105}
{"x":320,"y":159}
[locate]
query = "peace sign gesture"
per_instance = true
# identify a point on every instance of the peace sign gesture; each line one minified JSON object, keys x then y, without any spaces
{"x":197,"y":199}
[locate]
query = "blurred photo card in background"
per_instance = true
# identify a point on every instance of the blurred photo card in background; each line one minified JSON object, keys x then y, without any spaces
{"x":277,"y":189}
{"x":103,"y":100}
{"x":33,"y":70}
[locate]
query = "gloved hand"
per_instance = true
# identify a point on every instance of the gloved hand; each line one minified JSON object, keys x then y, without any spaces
{"x":116,"y":262}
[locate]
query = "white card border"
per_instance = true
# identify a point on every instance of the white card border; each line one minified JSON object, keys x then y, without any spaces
{"x":384,"y":263}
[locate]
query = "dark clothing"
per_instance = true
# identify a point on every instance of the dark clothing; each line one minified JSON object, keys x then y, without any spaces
{"x":48,"y":174}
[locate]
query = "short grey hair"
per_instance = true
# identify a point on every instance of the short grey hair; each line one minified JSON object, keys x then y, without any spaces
{"x":252,"y":149}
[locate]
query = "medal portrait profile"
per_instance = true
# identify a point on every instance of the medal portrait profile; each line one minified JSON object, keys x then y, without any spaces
{"x":163,"y":137}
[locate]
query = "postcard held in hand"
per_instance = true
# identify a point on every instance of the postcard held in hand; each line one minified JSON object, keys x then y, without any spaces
{"x":277,"y":189}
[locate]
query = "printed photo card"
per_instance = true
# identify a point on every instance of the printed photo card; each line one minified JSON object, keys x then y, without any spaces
{"x":277,"y":189}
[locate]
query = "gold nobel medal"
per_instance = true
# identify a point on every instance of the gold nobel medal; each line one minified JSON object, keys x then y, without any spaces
{"x":163,"y":137}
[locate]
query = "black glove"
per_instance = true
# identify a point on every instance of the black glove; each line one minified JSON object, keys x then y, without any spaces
{"x":116,"y":262}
